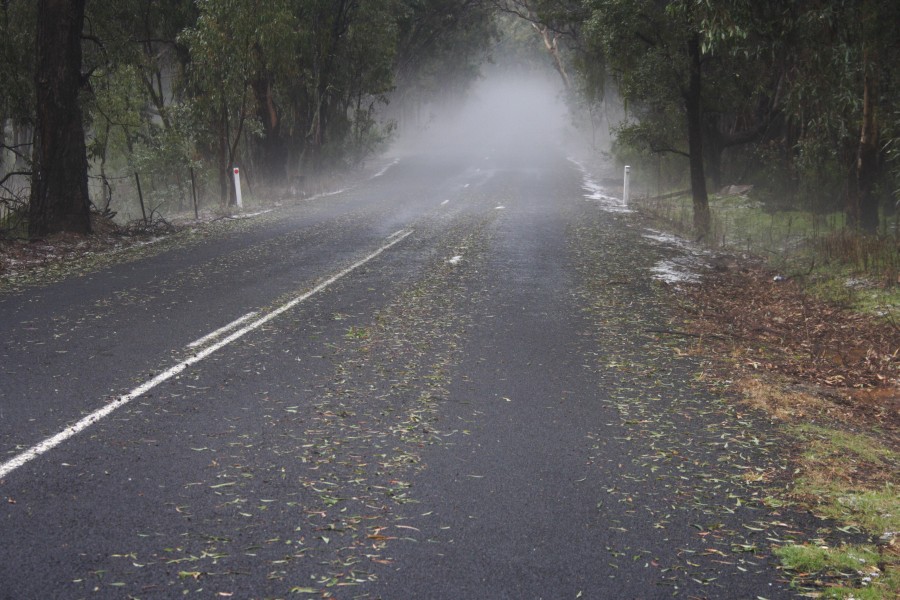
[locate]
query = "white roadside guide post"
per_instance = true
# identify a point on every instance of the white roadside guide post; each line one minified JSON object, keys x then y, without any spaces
{"x":626,"y":193}
{"x":237,"y":188}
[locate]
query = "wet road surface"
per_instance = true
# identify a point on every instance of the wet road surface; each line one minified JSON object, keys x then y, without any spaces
{"x":441,"y":383}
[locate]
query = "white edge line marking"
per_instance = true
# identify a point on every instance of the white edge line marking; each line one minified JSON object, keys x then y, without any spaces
{"x":385,"y":169}
{"x":52,"y":442}
{"x":221,"y":330}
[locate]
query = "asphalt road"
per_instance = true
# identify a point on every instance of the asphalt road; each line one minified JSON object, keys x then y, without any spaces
{"x":440,"y":383}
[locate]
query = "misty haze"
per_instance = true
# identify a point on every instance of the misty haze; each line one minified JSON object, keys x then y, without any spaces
{"x":507,"y":115}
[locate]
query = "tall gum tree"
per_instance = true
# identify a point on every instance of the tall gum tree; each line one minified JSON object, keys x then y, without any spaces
{"x":223,"y":66}
{"x":59,"y":193}
{"x":835,"y":93}
{"x":655,"y":49}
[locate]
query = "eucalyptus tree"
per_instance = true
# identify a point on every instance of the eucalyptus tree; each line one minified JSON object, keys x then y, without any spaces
{"x":59,"y":188}
{"x":322,"y":90}
{"x":351,"y":47}
{"x":17,"y":32}
{"x":656,"y":50}
{"x":321,"y":71}
{"x":841,"y":58}
{"x":442,"y":45}
{"x":136,"y":65}
{"x":223,"y":46}
{"x":828,"y":73}
{"x":550,"y":36}
{"x":367,"y":78}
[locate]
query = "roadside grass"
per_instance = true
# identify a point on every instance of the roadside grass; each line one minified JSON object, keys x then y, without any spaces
{"x":851,"y":571}
{"x":845,"y":471}
{"x":851,"y":476}
{"x":848,"y":477}
{"x":13,"y":220}
{"x":835,"y":263}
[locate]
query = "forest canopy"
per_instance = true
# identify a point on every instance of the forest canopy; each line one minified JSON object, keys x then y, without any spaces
{"x":797,"y":96}
{"x":286,"y":86}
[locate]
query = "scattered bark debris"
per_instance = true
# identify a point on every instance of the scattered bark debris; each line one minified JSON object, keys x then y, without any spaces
{"x":849,"y":359}
{"x":18,"y":255}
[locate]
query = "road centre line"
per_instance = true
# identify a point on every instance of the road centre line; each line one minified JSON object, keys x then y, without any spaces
{"x":221,"y":330}
{"x":48,"y":444}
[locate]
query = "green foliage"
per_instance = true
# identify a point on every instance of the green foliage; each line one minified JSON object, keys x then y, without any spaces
{"x":791,"y":78}
{"x":17,"y":26}
{"x":283,"y":86}
{"x":441,"y":46}
{"x":854,"y":571}
{"x":812,"y":559}
{"x":830,"y":463}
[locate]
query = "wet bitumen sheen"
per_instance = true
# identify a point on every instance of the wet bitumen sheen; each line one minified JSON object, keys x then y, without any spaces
{"x":477,"y":411}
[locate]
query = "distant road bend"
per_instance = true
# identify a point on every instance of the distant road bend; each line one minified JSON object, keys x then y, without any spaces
{"x":437,"y":384}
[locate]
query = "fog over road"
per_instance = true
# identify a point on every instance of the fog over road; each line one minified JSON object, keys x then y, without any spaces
{"x":439,"y":383}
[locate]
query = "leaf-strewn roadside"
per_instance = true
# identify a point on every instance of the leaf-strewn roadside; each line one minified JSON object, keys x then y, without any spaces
{"x":830,"y":379}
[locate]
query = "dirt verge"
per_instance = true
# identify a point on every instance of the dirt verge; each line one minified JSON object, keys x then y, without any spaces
{"x":828,"y":361}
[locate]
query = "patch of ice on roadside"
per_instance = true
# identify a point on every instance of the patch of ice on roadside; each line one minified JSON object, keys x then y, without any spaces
{"x":686,"y":268}
{"x":385,"y":169}
{"x":676,"y":270}
{"x":858,"y":283}
{"x":150,"y":242}
{"x":326,"y":194}
{"x":670,"y":239}
{"x":249,"y":215}
{"x":597,"y":193}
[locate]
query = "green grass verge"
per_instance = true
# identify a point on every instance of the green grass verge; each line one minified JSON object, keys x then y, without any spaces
{"x":850,"y":571}
{"x":851,"y":479}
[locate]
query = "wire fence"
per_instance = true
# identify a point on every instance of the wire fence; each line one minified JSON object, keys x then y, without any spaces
{"x":797,"y":238}
{"x":124,"y":197}
{"x":147,"y":195}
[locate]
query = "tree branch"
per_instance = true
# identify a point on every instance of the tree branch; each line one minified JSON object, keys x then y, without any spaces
{"x":12,"y":174}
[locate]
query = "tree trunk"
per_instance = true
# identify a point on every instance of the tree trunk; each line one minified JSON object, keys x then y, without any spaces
{"x":551,"y":43}
{"x":713,"y":148}
{"x":862,"y":209}
{"x":59,"y":189}
{"x":694,"y":112}
{"x":272,"y":149}
{"x":222,"y":158}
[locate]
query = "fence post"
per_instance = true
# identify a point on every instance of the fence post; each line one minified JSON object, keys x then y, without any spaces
{"x":194,"y":193}
{"x":237,"y":188}
{"x":137,"y":179}
{"x":626,"y":194}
